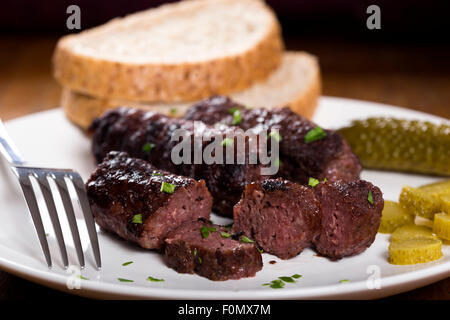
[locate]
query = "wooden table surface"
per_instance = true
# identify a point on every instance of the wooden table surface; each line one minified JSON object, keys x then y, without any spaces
{"x":405,"y":75}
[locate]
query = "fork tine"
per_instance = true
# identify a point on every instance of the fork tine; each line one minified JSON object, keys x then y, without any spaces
{"x":68,"y":207}
{"x":88,"y":218}
{"x":30,"y":198}
{"x":49,"y":201}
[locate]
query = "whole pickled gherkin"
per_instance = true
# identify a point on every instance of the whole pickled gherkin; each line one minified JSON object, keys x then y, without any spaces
{"x":401,"y":145}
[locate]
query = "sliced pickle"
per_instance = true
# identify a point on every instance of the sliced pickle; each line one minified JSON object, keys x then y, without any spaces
{"x":412,"y":232}
{"x":393,"y":217}
{"x":419,"y":202}
{"x":445,"y":203}
{"x":442,"y":225}
{"x":414,"y":251}
{"x":403,"y":145}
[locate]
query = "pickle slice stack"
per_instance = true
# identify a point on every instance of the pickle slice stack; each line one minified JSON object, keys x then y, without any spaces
{"x":442,"y":225}
{"x":402,"y":145}
{"x":393,"y":217}
{"x":426,"y":200}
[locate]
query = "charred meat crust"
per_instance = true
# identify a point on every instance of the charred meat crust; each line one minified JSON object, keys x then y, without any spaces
{"x":335,"y":218}
{"x":330,"y":157}
{"x":214,"y":256}
{"x":131,"y":130}
{"x":122,"y":188}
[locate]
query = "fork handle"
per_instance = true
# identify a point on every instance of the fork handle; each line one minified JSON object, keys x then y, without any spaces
{"x":8,"y":149}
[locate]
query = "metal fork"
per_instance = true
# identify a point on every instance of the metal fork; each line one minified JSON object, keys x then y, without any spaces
{"x":59,"y":176}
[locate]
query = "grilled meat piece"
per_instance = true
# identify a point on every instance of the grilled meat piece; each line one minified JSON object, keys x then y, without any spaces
{"x":147,"y":135}
{"x":142,"y":204}
{"x":330,"y":157}
{"x":211,"y":252}
{"x":283,"y":217}
{"x":350,"y":217}
{"x":336,"y":218}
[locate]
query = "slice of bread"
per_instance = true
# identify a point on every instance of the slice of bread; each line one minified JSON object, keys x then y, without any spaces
{"x":296,"y":83}
{"x":182,"y":51}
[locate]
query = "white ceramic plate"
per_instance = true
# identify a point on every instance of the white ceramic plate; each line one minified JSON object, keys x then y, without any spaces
{"x":48,"y":139}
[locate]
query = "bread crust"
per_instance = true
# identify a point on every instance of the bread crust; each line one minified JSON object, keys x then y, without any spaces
{"x":168,"y":82}
{"x":82,"y":109}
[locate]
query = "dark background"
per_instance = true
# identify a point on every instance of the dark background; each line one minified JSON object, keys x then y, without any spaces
{"x":406,"y":63}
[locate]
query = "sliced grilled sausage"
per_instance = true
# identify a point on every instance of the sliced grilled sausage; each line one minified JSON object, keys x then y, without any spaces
{"x":142,"y":204}
{"x":283,"y":217}
{"x":210,"y":251}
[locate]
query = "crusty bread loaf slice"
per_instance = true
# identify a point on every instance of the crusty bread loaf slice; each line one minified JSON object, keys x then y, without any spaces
{"x":296,"y":83}
{"x":182,"y":51}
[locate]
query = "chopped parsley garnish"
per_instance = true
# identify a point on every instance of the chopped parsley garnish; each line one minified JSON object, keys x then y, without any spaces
{"x":287,"y":279}
{"x":124,"y":280}
{"x":313,"y":182}
{"x":148,"y":147}
{"x":227,"y":142}
{"x":260,"y":250}
{"x":344,"y":281}
{"x":324,"y":179}
{"x":370,"y":197}
{"x":150,"y":278}
{"x":237,"y":118}
{"x":233,"y":110}
{"x":245,"y":239}
{"x":47,"y":234}
{"x":275,"y":134}
{"x":275,"y":284}
{"x":195,"y":252}
{"x":167,"y":187}
{"x":173,"y":111}
{"x":137,"y":218}
{"x":225,"y":235}
{"x":281,"y":281}
{"x":157,"y":174}
{"x":82,"y":278}
{"x":126,"y":263}
{"x":314,"y":134}
{"x":200,"y":260}
{"x":206,"y":230}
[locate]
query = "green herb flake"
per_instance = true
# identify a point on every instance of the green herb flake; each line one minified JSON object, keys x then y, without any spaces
{"x":275,"y":135}
{"x":81,"y":277}
{"x":195,"y":252}
{"x":124,"y":280}
{"x":344,"y":281}
{"x":287,"y":279}
{"x":277,"y":284}
{"x":296,"y":276}
{"x":148,"y":147}
{"x":47,"y":234}
{"x":167,"y":187}
{"x":313,"y":182}
{"x":126,"y":263}
{"x":173,"y":111}
{"x":260,"y":250}
{"x":150,"y":278}
{"x":315,"y":134}
{"x":225,"y":235}
{"x":370,"y":197}
{"x":200,"y":260}
{"x":137,"y":218}
{"x":245,"y":239}
{"x":227,"y":142}
{"x":324,"y":179}
{"x":206,"y":230}
{"x":237,"y":118}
